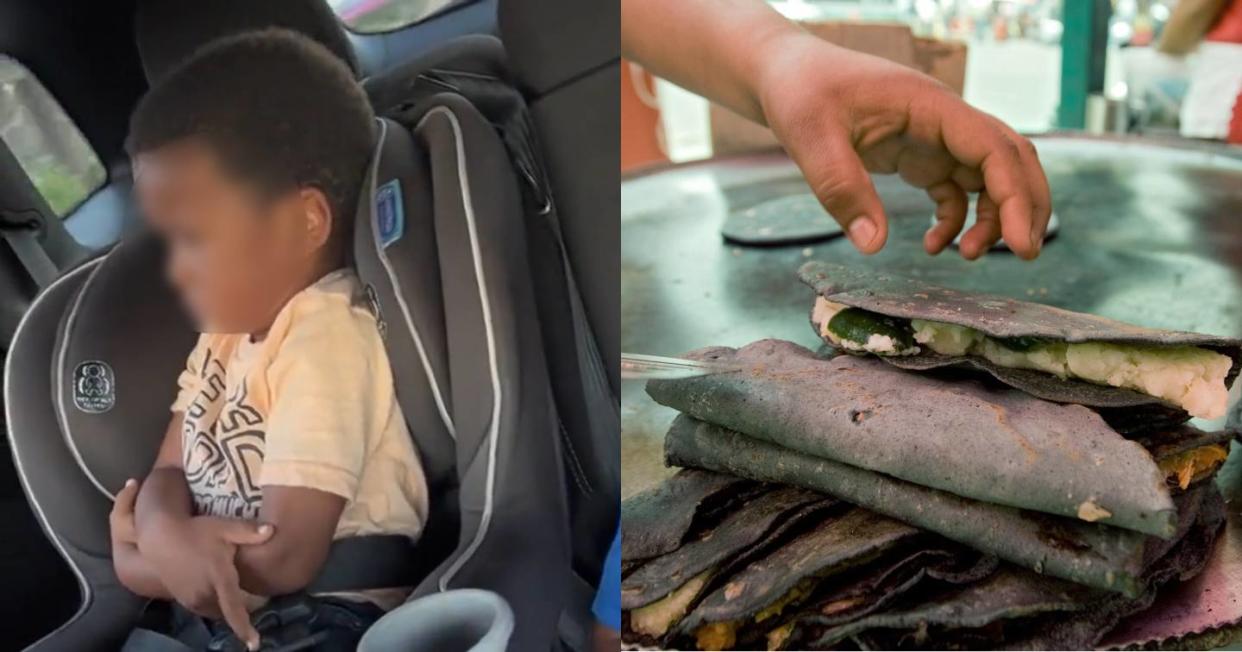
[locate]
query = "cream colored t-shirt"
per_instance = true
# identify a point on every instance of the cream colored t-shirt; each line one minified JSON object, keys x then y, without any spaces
{"x":310,"y":405}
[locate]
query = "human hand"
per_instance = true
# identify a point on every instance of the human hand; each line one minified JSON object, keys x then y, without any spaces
{"x":195,"y":561}
{"x":841,"y":114}
{"x":121,"y":518}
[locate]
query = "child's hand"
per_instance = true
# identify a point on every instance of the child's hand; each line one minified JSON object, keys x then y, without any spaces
{"x":841,"y":114}
{"x":195,"y":561}
{"x":121,"y":519}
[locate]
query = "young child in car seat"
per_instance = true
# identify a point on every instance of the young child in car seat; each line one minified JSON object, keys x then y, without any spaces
{"x":285,"y":434}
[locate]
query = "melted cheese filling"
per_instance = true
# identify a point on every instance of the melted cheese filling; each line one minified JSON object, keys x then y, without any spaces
{"x":1187,"y":376}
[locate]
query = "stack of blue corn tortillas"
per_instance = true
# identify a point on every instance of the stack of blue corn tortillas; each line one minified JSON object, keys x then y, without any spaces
{"x":1019,"y":490}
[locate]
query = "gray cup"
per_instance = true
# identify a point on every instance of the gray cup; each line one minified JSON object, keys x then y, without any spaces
{"x":461,"y":620}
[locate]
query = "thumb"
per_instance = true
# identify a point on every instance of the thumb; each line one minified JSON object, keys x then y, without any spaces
{"x":243,"y":532}
{"x":125,"y":498}
{"x":843,"y":187}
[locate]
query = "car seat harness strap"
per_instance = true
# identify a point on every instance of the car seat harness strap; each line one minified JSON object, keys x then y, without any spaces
{"x":368,"y":562}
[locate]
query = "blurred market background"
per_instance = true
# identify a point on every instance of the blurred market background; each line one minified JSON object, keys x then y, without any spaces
{"x":1040,"y":65}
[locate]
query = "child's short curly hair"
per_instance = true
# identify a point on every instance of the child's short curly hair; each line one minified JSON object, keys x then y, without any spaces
{"x":279,"y":110}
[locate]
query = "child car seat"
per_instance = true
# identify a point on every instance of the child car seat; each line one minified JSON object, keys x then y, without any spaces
{"x":441,"y":244}
{"x":445,"y":193}
{"x":105,"y":338}
{"x":473,"y":70}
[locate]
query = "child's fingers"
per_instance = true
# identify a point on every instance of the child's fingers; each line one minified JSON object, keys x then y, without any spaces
{"x":125,"y":499}
{"x":121,"y":519}
{"x":242,"y":532}
{"x":233,"y":603}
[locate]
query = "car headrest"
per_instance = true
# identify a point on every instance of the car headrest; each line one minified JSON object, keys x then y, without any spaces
{"x":470,"y":55}
{"x":586,"y":38}
{"x":396,"y":256}
{"x":122,"y":343}
{"x":169,"y":31}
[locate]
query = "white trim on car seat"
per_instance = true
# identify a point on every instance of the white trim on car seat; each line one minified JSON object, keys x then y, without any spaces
{"x":380,"y":252}
{"x":494,"y":425}
{"x":83,"y":586}
{"x":62,"y":415}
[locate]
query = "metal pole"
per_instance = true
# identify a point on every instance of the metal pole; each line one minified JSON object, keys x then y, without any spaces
{"x":1084,"y":42}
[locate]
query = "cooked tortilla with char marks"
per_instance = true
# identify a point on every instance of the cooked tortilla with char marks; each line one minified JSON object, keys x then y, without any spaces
{"x":1189,"y":377}
{"x":975,"y":440}
{"x":1179,"y":376}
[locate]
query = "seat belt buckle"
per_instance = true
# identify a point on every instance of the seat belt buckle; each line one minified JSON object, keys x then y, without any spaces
{"x":284,"y":625}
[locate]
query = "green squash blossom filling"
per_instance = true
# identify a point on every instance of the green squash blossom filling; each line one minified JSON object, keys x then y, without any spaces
{"x":860,"y":331}
{"x":1187,"y":376}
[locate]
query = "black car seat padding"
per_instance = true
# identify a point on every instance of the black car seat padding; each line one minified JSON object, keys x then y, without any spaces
{"x":476,"y":55}
{"x":514,"y":535}
{"x":582,"y":383}
{"x":402,"y":274}
{"x":169,"y":32}
{"x":402,"y":267}
{"x":73,"y":513}
{"x":121,"y":348}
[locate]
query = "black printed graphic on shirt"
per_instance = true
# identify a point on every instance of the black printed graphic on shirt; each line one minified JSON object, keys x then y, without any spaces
{"x":222,"y":441}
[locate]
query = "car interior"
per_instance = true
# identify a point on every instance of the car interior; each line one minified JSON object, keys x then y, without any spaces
{"x":498,"y":301}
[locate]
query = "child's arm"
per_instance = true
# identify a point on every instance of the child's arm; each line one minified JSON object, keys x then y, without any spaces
{"x":131,"y":569}
{"x":164,"y":497}
{"x":841,"y":113}
{"x":191,"y":557}
{"x":328,"y":406}
{"x":305,"y":521}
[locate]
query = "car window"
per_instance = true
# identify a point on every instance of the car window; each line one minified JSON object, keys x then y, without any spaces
{"x":45,"y":141}
{"x":385,"y":15}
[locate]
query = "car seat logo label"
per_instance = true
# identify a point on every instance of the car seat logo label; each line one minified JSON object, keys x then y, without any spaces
{"x":389,"y":213}
{"x":94,"y":387}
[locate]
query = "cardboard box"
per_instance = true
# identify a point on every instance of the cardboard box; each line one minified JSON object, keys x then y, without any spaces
{"x":943,"y":60}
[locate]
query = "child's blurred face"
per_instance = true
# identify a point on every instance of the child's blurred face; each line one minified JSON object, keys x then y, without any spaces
{"x":235,"y":255}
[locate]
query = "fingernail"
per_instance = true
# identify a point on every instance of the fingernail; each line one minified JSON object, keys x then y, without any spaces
{"x":265,"y":529}
{"x":253,"y":643}
{"x":130,"y":482}
{"x":862,"y":231}
{"x":1037,"y":238}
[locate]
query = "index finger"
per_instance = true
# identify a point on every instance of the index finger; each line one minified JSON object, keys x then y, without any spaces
{"x":232,"y":603}
{"x":972,"y":138}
